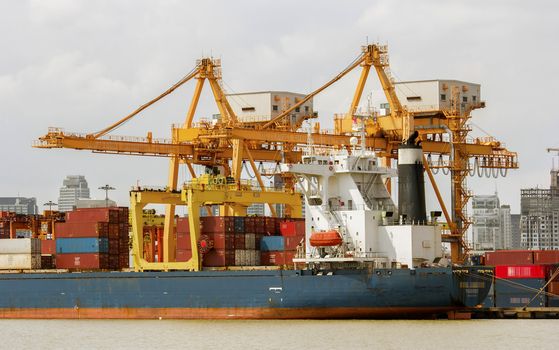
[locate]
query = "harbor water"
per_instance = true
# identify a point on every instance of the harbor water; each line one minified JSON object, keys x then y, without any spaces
{"x":263,"y":334}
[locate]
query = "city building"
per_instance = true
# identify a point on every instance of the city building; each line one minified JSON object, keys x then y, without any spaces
{"x":19,"y":205}
{"x":515,"y":231}
{"x":264,"y":105}
{"x":94,"y":203}
{"x":539,"y":221}
{"x":491,"y":229}
{"x":74,"y":187}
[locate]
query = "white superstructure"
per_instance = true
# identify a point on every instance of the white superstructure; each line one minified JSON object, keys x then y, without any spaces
{"x":345,"y":192}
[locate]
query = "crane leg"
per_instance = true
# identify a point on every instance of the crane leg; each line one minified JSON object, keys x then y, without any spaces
{"x":169,"y":245}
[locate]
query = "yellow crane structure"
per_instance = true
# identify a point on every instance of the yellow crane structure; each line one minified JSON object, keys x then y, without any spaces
{"x":230,"y":143}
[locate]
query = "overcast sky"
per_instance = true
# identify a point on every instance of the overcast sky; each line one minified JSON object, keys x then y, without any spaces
{"x":82,"y":65}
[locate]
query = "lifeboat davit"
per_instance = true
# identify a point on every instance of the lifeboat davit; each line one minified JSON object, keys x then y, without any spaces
{"x":326,"y":239}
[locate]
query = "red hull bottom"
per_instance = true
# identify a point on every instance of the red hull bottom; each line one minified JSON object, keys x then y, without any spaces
{"x":221,"y":313}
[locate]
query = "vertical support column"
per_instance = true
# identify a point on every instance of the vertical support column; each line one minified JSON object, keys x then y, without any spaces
{"x":195,"y":261}
{"x":259,"y":178}
{"x":169,"y":245}
{"x":237,"y":159}
{"x":136,"y":213}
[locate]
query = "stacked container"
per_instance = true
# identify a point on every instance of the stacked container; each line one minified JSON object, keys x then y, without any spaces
{"x":281,"y":249}
{"x":518,"y":285}
{"x":93,"y":238}
{"x":20,"y":253}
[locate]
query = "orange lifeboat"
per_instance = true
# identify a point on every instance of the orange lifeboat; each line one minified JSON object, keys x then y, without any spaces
{"x":326,"y":239}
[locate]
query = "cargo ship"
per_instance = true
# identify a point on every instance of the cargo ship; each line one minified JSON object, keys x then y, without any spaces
{"x":361,"y":257}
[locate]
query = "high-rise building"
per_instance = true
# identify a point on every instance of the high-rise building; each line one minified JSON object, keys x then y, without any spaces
{"x":539,"y":221}
{"x":486,"y":223}
{"x":19,"y":205}
{"x":491,"y":224}
{"x":515,"y":231}
{"x":74,"y":187}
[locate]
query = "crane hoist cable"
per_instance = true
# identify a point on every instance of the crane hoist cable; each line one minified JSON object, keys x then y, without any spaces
{"x":124,"y":120}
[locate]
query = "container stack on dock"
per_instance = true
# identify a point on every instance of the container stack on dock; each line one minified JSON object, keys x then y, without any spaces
{"x":524,"y":278}
{"x":93,"y":238}
{"x":243,"y":241}
{"x":281,"y":249}
{"x":20,"y":254}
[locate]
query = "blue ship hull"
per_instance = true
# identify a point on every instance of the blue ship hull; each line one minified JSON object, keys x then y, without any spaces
{"x":242,"y":294}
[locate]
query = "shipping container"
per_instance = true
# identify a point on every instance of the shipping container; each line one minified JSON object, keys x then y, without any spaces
{"x":93,"y":215}
{"x":553,"y":288}
{"x":218,"y":224}
{"x":277,"y":258}
{"x":270,"y":225}
{"x":272,"y":243}
{"x":509,"y":257}
{"x":259,"y":226}
{"x":249,"y":224}
{"x":82,"y":261}
{"x":184,"y":254}
{"x":48,"y":246}
{"x":250,"y":241}
{"x":23,"y":261}
{"x":124,"y":261}
{"x":183,"y":225}
{"x":113,"y":247}
{"x":222,"y":240}
{"x":291,"y":243}
{"x":527,"y":271}
{"x":81,"y":229}
{"x":82,"y":245}
{"x":114,"y":262}
{"x":239,"y":241}
{"x":239,"y":224}
{"x":546,"y":257}
{"x":292,"y":228}
{"x":20,"y":246}
{"x":183,"y":241}
{"x":47,"y":261}
{"x":218,"y":258}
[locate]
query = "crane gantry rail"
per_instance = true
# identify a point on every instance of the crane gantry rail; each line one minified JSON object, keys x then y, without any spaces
{"x":230,"y":142}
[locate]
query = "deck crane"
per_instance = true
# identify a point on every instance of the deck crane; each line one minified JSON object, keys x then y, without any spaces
{"x":230,"y":142}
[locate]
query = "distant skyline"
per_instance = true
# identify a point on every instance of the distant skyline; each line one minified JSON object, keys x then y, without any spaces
{"x":82,"y":65}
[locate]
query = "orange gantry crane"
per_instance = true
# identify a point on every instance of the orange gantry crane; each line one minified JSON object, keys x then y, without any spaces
{"x":230,"y":142}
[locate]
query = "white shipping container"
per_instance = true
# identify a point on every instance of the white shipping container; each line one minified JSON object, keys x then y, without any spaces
{"x":20,"y":246}
{"x":250,"y":241}
{"x":20,"y":261}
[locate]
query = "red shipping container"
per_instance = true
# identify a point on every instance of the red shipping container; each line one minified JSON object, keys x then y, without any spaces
{"x":81,"y":229}
{"x":219,"y":257}
{"x":219,"y":224}
{"x":82,"y":261}
{"x":183,"y":241}
{"x":259,"y":224}
{"x":183,"y":225}
{"x":239,"y":241}
{"x":509,"y":257}
{"x":526,"y":271}
{"x":123,"y":229}
{"x":123,"y":215}
{"x":114,"y":262}
{"x":546,"y":257}
{"x":270,"y":225}
{"x":257,"y":239}
{"x":48,"y":246}
{"x":124,"y":261}
{"x":113,"y":230}
{"x":114,"y":246}
{"x":222,"y":240}
{"x":123,"y":245}
{"x":93,"y":214}
{"x":184,"y":255}
{"x":291,"y":243}
{"x":249,"y":224}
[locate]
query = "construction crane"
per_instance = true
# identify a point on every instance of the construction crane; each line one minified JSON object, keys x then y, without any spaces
{"x":230,"y":143}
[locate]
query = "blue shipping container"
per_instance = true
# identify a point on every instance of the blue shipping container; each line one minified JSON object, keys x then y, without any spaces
{"x":272,"y":243}
{"x":82,"y":245}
